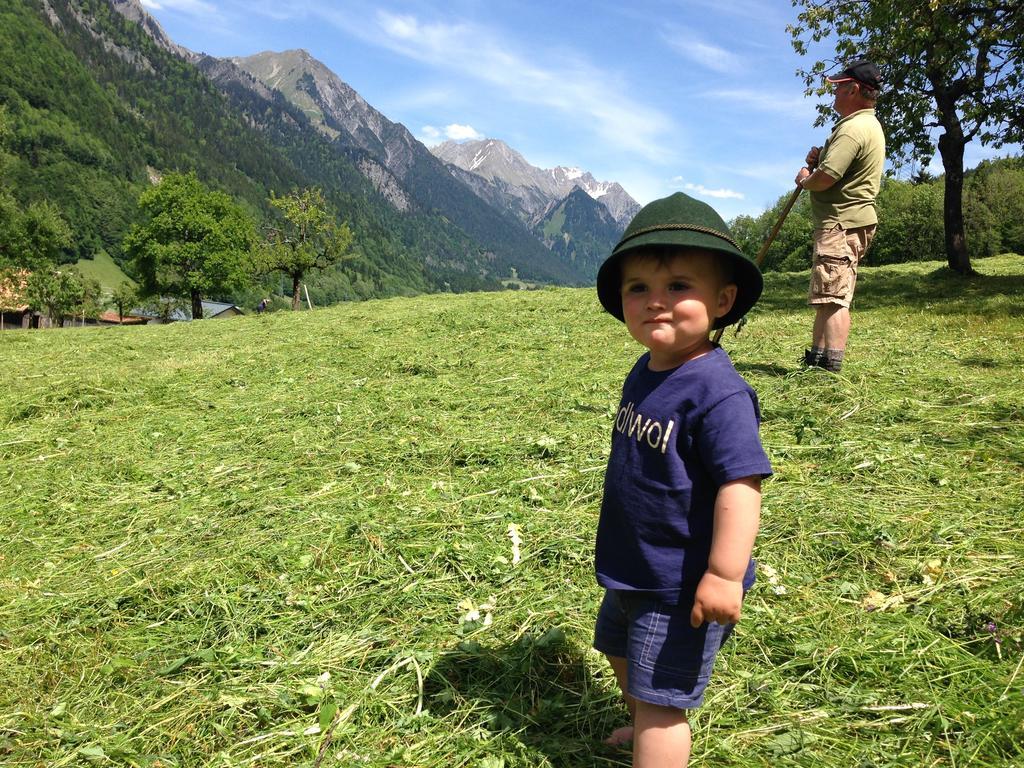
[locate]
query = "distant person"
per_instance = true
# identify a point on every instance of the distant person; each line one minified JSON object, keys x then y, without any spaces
{"x":262,"y":306}
{"x":682,"y":491}
{"x":843,"y":189}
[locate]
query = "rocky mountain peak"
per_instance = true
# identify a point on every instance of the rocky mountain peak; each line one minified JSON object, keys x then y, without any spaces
{"x":331,"y":104}
{"x":535,"y":189}
{"x":134,"y":11}
{"x":492,"y":159}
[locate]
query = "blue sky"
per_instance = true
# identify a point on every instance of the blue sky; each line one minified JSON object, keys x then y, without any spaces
{"x":692,"y":95}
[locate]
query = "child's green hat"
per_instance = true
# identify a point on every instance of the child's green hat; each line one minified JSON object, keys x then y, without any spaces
{"x":679,"y":220}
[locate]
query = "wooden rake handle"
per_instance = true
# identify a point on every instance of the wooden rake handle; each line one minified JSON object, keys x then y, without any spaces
{"x":771,"y":238}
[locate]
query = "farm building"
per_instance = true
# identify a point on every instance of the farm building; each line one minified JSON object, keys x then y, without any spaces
{"x":15,"y":312}
{"x":211,"y":309}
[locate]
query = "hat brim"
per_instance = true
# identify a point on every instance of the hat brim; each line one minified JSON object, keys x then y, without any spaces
{"x":849,"y":79}
{"x":746,"y":275}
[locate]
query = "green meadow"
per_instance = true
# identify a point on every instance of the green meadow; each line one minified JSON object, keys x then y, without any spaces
{"x":362,"y":536}
{"x":104,"y":270}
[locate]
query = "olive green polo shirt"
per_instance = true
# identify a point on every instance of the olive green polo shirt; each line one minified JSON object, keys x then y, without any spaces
{"x":855,"y":155}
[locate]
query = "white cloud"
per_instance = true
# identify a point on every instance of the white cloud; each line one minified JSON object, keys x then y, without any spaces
{"x":702,"y":191}
{"x":200,"y":13}
{"x":799,"y":108}
{"x":399,"y":27}
{"x":684,"y":42}
{"x":190,"y":7}
{"x":461,"y":132}
{"x":430,"y":135}
{"x":595,"y":98}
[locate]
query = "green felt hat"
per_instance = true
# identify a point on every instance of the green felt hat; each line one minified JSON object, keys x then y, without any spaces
{"x":680,"y":221}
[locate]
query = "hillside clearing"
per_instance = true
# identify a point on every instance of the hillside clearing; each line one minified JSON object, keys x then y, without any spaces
{"x":104,"y":270}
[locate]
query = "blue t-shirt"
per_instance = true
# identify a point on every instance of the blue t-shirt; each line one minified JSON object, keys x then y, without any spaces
{"x":679,"y":435}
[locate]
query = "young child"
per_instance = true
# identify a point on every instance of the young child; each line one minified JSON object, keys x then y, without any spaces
{"x":682,"y":492}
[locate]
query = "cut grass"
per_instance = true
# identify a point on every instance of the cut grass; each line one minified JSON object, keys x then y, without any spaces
{"x":232,"y":543}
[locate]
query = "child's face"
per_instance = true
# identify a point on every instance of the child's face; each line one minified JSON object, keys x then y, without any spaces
{"x":670,"y":305}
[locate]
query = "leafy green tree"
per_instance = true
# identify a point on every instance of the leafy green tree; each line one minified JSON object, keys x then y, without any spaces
{"x":164,"y":307}
{"x":12,"y":242}
{"x":5,"y":135}
{"x":309,"y":237}
{"x":791,"y":248}
{"x":55,"y":292}
{"x":123,"y":298}
{"x":45,"y":234}
{"x":994,"y":207}
{"x":91,"y":304}
{"x":912,"y":214}
{"x":194,"y":243}
{"x":746,"y":231}
{"x":32,"y":236}
{"x":954,"y":64}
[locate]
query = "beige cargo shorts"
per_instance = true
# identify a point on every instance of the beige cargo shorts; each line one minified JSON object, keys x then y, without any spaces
{"x":837,"y":252}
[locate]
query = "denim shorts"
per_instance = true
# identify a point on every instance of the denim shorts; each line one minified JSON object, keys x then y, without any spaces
{"x":668,"y":661}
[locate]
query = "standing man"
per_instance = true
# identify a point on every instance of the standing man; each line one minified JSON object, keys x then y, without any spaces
{"x":843,"y":189}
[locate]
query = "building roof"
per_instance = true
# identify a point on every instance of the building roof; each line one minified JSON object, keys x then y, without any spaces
{"x":112,"y":317}
{"x":214,"y":308}
{"x":210,"y":309}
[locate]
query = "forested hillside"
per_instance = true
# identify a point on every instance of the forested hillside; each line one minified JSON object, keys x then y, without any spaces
{"x":97,"y":110}
{"x":581,"y":230}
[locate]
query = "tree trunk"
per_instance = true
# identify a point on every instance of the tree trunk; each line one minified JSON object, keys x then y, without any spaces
{"x":197,"y":306}
{"x":951,"y":149}
{"x":296,"y":284}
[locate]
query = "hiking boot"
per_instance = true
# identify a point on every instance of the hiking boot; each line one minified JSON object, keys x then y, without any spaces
{"x":812,"y":358}
{"x":832,"y":360}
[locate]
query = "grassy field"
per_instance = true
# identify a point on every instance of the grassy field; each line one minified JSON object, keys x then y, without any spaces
{"x":103,"y":269}
{"x":362,"y":536}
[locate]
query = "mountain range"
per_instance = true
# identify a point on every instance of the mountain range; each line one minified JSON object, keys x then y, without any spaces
{"x":529,"y":190}
{"x":460,"y":217}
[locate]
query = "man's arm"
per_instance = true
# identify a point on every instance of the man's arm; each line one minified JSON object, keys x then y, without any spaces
{"x":818,"y":181}
{"x":737,"y":518}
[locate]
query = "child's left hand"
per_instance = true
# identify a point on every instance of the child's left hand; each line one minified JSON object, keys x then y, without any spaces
{"x":717,"y":599}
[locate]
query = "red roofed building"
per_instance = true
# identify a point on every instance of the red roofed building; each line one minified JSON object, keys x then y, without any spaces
{"x":110,"y":317}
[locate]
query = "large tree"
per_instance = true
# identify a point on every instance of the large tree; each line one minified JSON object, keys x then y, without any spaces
{"x":123,"y":298}
{"x":308,"y":237}
{"x":33,"y":236}
{"x":59,"y":293}
{"x":949,"y":64}
{"x":195,"y":242}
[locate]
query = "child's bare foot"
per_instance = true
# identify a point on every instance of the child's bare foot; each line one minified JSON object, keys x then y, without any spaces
{"x":620,"y":736}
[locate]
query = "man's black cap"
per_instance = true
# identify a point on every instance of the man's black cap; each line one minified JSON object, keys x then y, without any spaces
{"x":861,"y":70}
